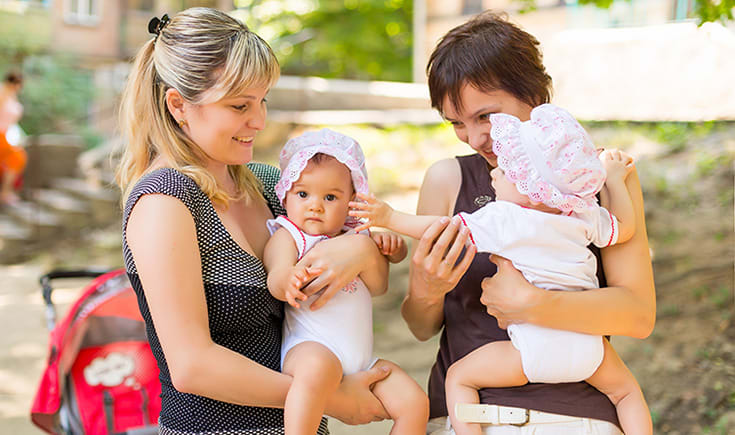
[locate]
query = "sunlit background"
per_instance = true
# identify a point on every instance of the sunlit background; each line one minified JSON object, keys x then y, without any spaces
{"x":654,"y":77}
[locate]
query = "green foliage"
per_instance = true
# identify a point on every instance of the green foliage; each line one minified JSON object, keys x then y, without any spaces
{"x":673,"y":134}
{"x":351,"y":39}
{"x":56,"y":95}
{"x":603,"y":4}
{"x":676,"y":135}
{"x":20,"y":38}
{"x":714,"y":10}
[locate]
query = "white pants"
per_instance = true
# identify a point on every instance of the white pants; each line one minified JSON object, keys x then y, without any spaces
{"x":579,"y":426}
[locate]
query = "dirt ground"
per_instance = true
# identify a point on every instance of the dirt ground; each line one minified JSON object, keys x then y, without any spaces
{"x":686,"y":367}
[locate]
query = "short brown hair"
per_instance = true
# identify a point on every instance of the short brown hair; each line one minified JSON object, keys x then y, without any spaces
{"x":489,"y":53}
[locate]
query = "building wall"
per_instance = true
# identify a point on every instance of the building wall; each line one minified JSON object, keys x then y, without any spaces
{"x":98,"y":40}
{"x":633,"y":61}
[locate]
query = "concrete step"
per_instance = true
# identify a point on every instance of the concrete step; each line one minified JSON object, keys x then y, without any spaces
{"x":74,"y":213}
{"x":43,"y":222}
{"x":15,"y":240}
{"x":103,"y":201}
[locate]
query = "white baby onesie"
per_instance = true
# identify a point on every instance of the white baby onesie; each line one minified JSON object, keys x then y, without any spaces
{"x":344,"y":324}
{"x":551,"y":252}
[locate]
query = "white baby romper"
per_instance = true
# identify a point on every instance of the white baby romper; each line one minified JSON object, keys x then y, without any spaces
{"x":551,"y":252}
{"x":344,"y":324}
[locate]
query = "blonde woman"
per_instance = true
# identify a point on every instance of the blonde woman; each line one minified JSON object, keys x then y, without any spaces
{"x":194,"y":231}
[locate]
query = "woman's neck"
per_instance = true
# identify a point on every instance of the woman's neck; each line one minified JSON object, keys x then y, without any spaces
{"x":221,"y":173}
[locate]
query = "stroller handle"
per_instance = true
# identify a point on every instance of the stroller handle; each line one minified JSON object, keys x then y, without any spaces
{"x":46,"y":288}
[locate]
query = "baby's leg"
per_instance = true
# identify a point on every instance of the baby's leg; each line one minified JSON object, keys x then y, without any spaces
{"x":617,"y":382}
{"x":316,"y":375}
{"x":404,"y":400}
{"x":495,"y":364}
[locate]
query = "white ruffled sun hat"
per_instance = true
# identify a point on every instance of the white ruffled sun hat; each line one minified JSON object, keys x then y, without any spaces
{"x":550,"y":158}
{"x":296,"y":153}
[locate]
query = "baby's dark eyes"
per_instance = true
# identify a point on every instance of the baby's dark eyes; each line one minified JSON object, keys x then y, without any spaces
{"x":301,"y":194}
{"x":330,"y":197}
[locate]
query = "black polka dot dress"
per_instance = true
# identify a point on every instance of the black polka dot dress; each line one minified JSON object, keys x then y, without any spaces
{"x":243,"y":316}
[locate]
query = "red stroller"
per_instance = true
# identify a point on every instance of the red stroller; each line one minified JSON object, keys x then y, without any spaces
{"x":101,"y":377}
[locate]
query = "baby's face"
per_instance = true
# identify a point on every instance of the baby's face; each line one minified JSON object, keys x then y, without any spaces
{"x":505,"y":190}
{"x":318,"y":201}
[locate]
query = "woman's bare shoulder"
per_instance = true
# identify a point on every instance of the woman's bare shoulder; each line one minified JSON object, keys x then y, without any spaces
{"x":440,"y":188}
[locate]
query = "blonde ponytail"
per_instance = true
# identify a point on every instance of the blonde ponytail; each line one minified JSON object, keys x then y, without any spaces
{"x":205,"y":55}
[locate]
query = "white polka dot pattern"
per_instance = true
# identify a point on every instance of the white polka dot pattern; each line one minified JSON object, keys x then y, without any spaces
{"x":243,"y":316}
{"x":163,"y":430}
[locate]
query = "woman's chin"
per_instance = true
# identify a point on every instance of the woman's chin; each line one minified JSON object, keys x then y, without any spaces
{"x":490,"y":158}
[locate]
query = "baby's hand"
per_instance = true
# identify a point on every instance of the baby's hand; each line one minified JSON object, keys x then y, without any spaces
{"x":618,"y":164}
{"x":371,"y":208}
{"x":388,"y":243}
{"x":300,"y":276}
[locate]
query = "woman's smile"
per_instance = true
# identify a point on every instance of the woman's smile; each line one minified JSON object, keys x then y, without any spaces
{"x":244,"y":140}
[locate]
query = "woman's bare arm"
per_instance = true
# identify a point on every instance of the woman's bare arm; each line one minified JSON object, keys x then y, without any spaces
{"x":162,"y":237}
{"x":627,"y":307}
{"x":433,"y":270}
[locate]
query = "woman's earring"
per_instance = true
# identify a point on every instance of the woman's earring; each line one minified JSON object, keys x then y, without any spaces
{"x":182,"y":123}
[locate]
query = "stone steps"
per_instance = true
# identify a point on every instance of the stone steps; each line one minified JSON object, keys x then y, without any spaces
{"x":74,"y":213}
{"x":32,"y":215}
{"x":15,"y":240}
{"x":103,"y":200}
{"x":66,"y":209}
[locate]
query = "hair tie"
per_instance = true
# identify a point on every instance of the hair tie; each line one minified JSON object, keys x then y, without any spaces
{"x":156,"y":25}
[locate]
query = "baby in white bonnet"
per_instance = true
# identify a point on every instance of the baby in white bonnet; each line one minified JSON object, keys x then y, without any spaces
{"x":321,"y":172}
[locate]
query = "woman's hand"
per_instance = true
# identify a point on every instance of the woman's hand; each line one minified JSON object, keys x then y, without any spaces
{"x":434,"y":273}
{"x":340,"y":260}
{"x":508,"y":296}
{"x":435,"y":270}
{"x":354,"y":402}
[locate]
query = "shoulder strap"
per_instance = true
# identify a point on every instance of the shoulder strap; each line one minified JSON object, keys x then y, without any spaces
{"x":295,"y":232}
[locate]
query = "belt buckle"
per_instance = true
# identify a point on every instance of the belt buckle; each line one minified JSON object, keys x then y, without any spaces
{"x":514,"y":416}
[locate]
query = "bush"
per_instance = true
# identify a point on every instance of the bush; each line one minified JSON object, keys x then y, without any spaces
{"x":56,"y":95}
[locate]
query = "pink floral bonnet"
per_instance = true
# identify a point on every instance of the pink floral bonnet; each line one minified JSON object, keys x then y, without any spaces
{"x":550,"y":158}
{"x":296,"y":154}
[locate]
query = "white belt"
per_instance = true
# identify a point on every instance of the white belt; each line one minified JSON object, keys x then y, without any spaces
{"x":494,"y":414}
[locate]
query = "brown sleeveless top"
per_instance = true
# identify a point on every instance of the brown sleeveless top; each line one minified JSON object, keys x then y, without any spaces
{"x":467,"y":326}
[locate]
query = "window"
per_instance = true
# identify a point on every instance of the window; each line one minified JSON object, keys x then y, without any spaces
{"x":84,"y":12}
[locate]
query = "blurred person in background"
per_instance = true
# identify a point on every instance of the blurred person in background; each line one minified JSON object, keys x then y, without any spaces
{"x":12,"y":158}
